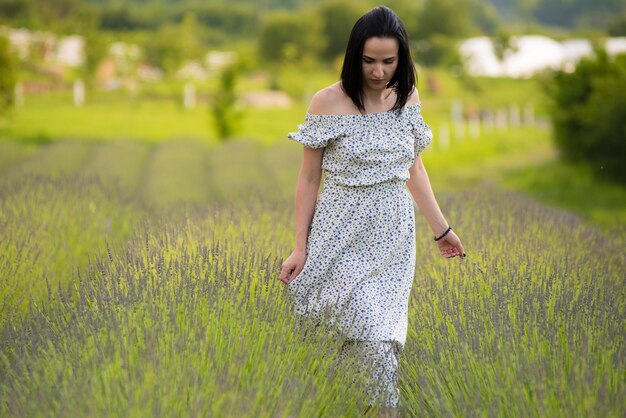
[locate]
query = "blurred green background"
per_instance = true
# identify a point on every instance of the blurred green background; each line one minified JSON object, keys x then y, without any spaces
{"x":158,"y":74}
{"x":149,"y":136}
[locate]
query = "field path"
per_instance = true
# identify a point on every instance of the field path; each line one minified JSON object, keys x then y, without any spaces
{"x":58,"y":158}
{"x":119,"y":163}
{"x":176,"y":173}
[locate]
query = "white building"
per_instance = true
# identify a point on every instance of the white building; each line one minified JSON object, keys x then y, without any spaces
{"x":479,"y":57}
{"x":70,"y":51}
{"x":529,"y":55}
{"x":616,"y":46}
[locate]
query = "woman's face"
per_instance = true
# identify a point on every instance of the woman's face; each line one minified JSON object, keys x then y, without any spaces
{"x":380,"y":60}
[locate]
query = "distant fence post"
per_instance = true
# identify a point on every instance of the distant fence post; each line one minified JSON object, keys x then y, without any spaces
{"x":456,"y":114}
{"x":189,"y":96}
{"x":473,"y":125}
{"x":79,"y":93}
{"x":443,"y":139}
{"x":487,"y":119}
{"x":501,"y":121}
{"x":472,"y":121}
{"x":459,"y":131}
{"x":514,"y":115}
{"x":456,"y":111}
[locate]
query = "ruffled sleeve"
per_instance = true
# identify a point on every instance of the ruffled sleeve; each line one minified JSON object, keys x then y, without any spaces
{"x":422,"y":133}
{"x":317,"y":130}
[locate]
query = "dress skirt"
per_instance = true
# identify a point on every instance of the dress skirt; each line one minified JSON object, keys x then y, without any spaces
{"x":360,"y":261}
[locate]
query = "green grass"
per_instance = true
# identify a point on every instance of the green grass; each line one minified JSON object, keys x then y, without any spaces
{"x":484,"y":161}
{"x":189,"y":319}
{"x":138,"y":276}
{"x":186,"y":322}
{"x":11,"y":152}
{"x":155,"y":113}
{"x":105,"y":117}
{"x":575,"y":187}
{"x":50,"y":228}
{"x":512,"y":325}
{"x":485,"y":93}
{"x":52,"y":117}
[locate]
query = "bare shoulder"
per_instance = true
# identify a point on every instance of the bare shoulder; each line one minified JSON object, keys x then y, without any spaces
{"x":331,"y":100}
{"x":414,"y":98}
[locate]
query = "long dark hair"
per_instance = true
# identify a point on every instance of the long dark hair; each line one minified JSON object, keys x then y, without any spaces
{"x":379,"y":22}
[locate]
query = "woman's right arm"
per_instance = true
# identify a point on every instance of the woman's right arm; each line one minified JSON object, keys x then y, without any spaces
{"x":307,"y":189}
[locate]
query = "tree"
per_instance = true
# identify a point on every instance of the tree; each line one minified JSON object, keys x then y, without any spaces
{"x":572,"y":13}
{"x":448,"y":18}
{"x":409,"y":12}
{"x":291,"y":37}
{"x":589,"y":113}
{"x":234,"y":20}
{"x":119,"y":16}
{"x":96,"y":48}
{"x":61,"y":16}
{"x":485,"y":16}
{"x":338,"y":16}
{"x":8,"y":77}
{"x":526,"y":8}
{"x":440,"y":24}
{"x":174,"y":43}
{"x":224,"y":111}
{"x":617,"y":27}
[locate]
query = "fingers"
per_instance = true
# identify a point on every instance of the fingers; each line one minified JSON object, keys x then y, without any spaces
{"x":452,"y":247}
{"x":292,"y":266}
{"x":458,"y":247}
{"x":449,"y":252}
{"x":288,"y":273}
{"x":452,"y":251}
{"x":285,"y":275}
{"x":461,"y":250}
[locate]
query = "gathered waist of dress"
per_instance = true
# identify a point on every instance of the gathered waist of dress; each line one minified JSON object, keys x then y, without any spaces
{"x":331,"y":181}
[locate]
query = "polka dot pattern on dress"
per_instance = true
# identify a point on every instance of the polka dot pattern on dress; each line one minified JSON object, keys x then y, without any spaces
{"x":369,"y":148}
{"x":361,"y":244}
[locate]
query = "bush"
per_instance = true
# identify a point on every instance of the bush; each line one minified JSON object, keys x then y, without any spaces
{"x":7,"y":77}
{"x":617,"y":27}
{"x":589,"y":113}
{"x":224,"y":110}
{"x":338,"y":16}
{"x":291,"y":37}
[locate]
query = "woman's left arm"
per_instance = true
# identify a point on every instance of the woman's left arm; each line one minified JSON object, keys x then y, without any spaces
{"x":422,"y":192}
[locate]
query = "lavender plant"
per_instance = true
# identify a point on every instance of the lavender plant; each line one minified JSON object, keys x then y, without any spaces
{"x":181,"y":314}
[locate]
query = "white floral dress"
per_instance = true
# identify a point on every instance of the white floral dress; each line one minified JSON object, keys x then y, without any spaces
{"x":361,"y":244}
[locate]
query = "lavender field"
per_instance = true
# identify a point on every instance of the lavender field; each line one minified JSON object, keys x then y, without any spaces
{"x":141,"y":280}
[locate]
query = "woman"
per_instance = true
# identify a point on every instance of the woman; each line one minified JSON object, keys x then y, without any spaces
{"x":354,"y":259}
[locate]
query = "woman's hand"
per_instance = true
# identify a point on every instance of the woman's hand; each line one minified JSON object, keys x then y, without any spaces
{"x":292,"y":266}
{"x":450,"y":246}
